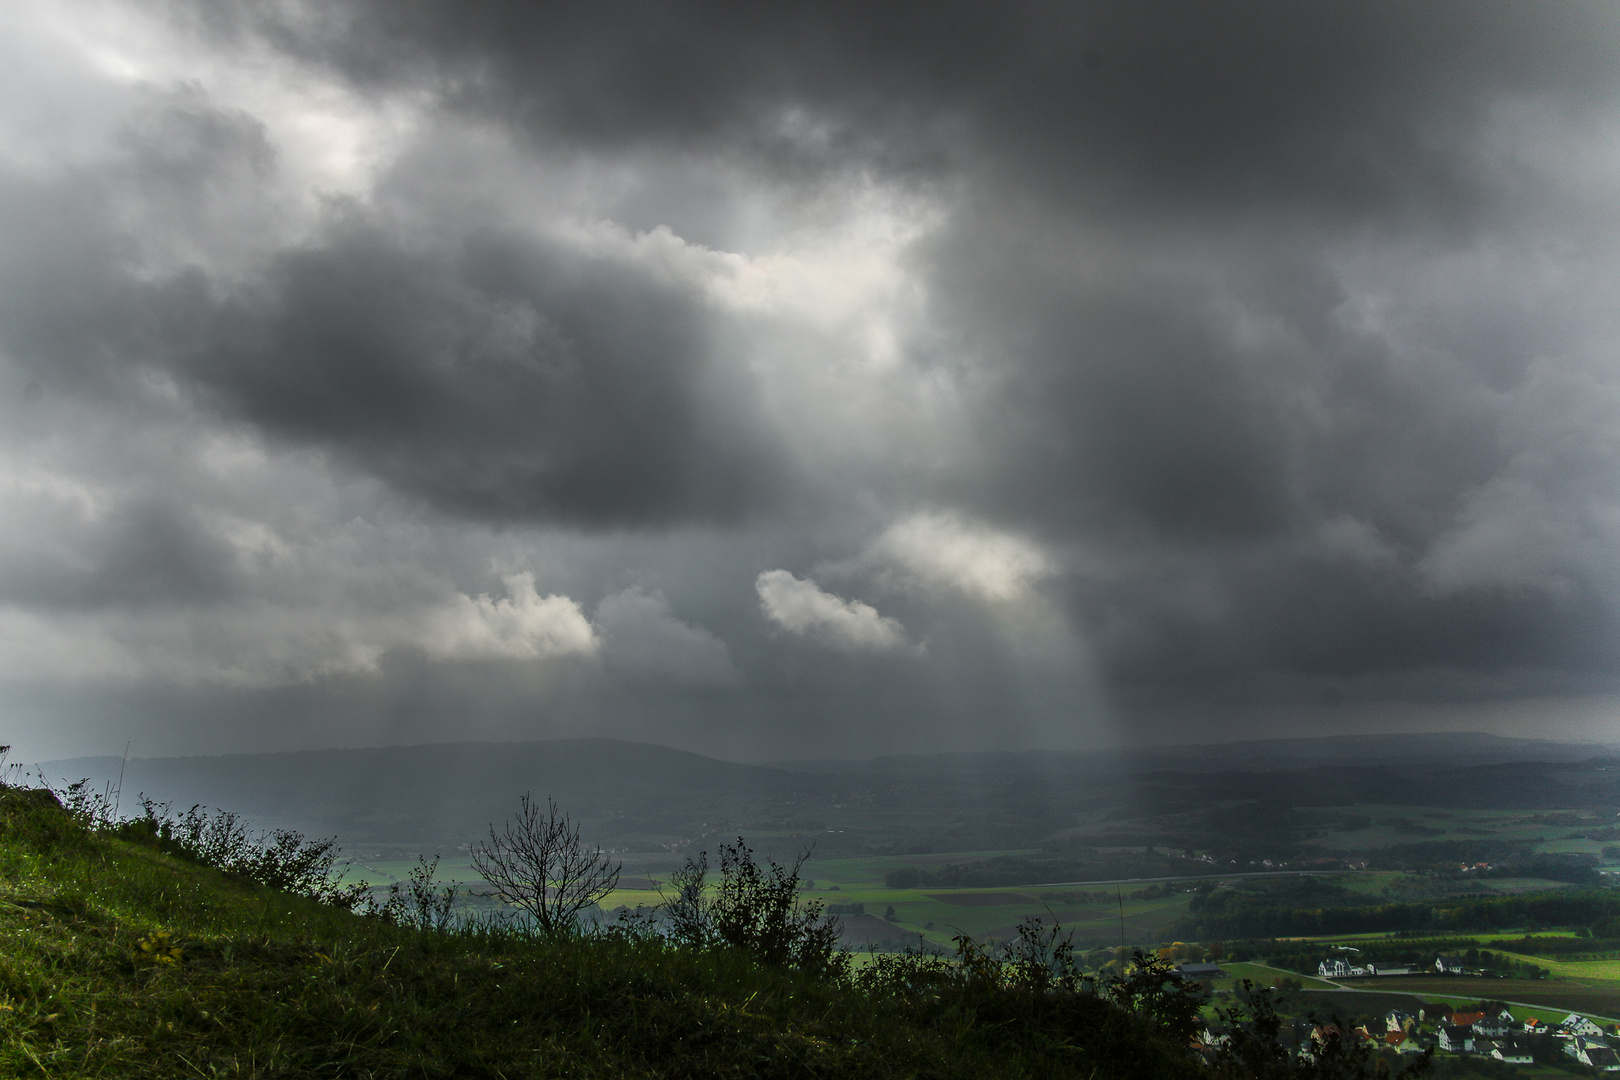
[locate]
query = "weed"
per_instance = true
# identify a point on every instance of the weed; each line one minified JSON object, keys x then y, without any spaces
{"x":418,"y":901}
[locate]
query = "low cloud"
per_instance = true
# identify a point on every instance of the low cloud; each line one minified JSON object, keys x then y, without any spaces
{"x":947,"y":551}
{"x":642,"y":638}
{"x":522,"y":626}
{"x":801,"y":607}
{"x":260,"y":645}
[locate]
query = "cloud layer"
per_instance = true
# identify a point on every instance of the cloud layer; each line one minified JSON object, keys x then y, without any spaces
{"x":678,"y":373}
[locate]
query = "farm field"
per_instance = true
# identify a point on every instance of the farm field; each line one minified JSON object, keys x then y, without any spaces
{"x":936,"y":914}
{"x":1598,"y":998}
{"x":1594,"y":972}
{"x":1095,"y":914}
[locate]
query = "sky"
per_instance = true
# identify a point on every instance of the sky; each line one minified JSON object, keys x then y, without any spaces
{"x":828,"y":380}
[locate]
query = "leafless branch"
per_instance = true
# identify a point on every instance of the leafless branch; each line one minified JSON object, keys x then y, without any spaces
{"x":539,"y":864}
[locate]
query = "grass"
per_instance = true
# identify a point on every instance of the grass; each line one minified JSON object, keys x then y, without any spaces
{"x":119,"y":961}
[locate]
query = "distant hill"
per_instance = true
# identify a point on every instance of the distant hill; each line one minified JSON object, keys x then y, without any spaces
{"x":1450,"y":749}
{"x":654,"y":799}
{"x":439,"y":792}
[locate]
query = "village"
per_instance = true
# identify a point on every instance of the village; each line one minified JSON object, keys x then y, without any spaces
{"x":1487,"y":1029}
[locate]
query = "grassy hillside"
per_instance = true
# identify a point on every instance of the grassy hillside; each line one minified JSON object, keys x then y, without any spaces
{"x":119,"y":960}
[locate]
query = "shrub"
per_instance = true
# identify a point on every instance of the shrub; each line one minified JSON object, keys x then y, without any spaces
{"x":1153,"y":988}
{"x":281,"y":859}
{"x":755,"y":909}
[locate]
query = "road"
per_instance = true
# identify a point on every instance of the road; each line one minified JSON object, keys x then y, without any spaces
{"x":1182,"y":877}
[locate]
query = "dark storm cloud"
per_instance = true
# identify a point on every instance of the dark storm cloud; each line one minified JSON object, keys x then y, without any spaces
{"x":496,"y":376}
{"x":503,"y":378}
{"x":1138,"y":187}
{"x":81,"y":304}
{"x":1126,"y":408}
{"x":1364,"y":108}
{"x":1345,"y":626}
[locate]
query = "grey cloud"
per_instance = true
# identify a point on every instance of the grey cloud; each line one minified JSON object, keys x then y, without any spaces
{"x":502,"y":379}
{"x":1356,"y":108}
{"x":182,"y":148}
{"x":100,"y":272}
{"x":643,"y":638}
{"x":148,"y":552}
{"x":1252,"y":351}
{"x":160,"y":553}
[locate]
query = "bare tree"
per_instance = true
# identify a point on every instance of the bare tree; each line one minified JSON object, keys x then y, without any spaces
{"x":539,"y":864}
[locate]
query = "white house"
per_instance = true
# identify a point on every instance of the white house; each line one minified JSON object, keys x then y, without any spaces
{"x":1594,"y":1053}
{"x":1515,"y":1050}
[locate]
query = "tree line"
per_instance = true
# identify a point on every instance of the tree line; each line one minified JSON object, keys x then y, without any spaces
{"x":1572,"y":908}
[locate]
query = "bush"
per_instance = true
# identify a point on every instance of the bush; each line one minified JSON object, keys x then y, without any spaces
{"x":755,"y":909}
{"x":281,"y":859}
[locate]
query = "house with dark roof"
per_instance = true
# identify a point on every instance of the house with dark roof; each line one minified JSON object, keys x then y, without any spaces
{"x":1456,"y":1038}
{"x":1201,"y":972}
{"x":1594,"y":1053}
{"x":1515,"y":1050}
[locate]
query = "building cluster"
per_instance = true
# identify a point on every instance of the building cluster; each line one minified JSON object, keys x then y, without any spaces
{"x":1341,"y":968}
{"x":1492,"y":1033}
{"x":1497,"y":1035}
